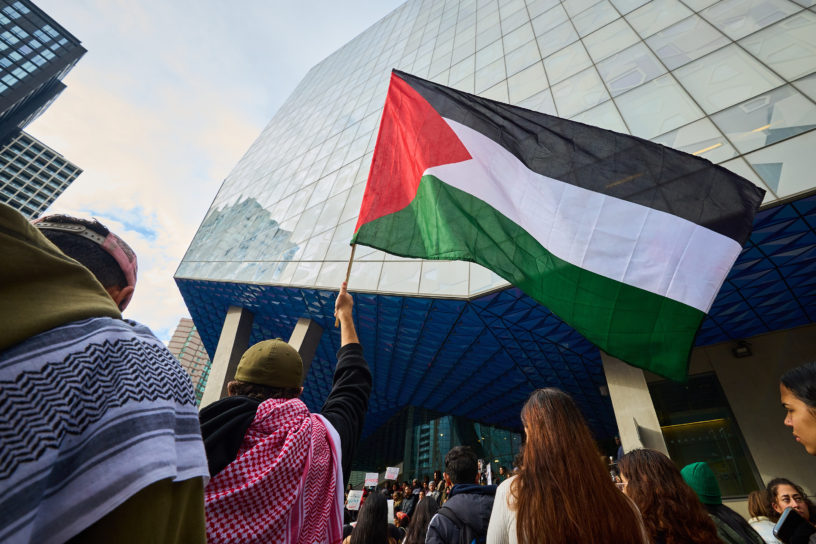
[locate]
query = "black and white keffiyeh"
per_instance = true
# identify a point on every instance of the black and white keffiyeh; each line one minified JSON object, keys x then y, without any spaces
{"x":90,"y":413}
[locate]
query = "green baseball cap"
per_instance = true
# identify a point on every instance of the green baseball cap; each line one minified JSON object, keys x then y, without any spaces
{"x":273,"y":363}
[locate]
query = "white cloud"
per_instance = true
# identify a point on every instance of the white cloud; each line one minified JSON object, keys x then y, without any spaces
{"x":167,"y":99}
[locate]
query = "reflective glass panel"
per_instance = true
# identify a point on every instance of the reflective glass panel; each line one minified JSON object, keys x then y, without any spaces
{"x":605,"y":115}
{"x":725,"y":77}
{"x":557,"y":38}
{"x":595,"y":17}
{"x":767,"y":119}
{"x":444,"y":278}
{"x":625,"y":6}
{"x":526,"y":83}
{"x":549,"y":20}
{"x":686,"y":41}
{"x":787,"y":167}
{"x":610,"y":39}
{"x":657,"y":107}
{"x":788,"y":47}
{"x":579,"y":93}
{"x":542,"y":102}
{"x":490,"y":75}
{"x":570,"y":60}
{"x":400,"y":277}
{"x":630,"y":68}
{"x":574,"y":7}
{"x":741,"y":168}
{"x":657,"y":15}
{"x":521,"y":58}
{"x":518,"y":37}
{"x":807,"y":85}
{"x":700,"y":138}
{"x":738,"y":18}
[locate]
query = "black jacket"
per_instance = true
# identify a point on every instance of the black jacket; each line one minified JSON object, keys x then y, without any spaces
{"x":472,"y":504}
{"x":224,"y":423}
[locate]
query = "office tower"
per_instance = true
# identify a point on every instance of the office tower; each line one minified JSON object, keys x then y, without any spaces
{"x":188,"y":349}
{"x":32,"y":175}
{"x":733,"y":81}
{"x":36,"y":54}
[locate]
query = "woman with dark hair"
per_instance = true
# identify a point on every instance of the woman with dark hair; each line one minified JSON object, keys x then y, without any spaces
{"x":759,"y":508}
{"x":731,"y":527}
{"x":426,"y":509}
{"x":670,"y":509}
{"x":372,"y":523}
{"x":559,"y":479}
{"x":797,"y":388}
{"x":783,"y":493}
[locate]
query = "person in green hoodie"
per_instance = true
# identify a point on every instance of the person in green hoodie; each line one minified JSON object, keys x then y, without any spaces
{"x":100,"y":440}
{"x":731,"y":527}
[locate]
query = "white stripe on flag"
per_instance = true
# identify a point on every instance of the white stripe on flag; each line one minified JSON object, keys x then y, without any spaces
{"x":634,"y":244}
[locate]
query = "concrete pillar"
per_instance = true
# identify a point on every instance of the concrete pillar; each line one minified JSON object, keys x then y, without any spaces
{"x":305,"y":339}
{"x":233,"y":342}
{"x":634,"y":411}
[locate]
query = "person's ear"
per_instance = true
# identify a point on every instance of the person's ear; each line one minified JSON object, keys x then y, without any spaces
{"x":120,"y":295}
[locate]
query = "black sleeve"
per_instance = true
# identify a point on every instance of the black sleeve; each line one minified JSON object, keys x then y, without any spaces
{"x":348,"y":401}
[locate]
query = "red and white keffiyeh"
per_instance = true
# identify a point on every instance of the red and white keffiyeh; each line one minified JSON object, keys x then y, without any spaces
{"x":285,"y":484}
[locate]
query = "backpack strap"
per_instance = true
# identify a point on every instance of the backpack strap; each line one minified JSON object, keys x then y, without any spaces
{"x":465,"y":530}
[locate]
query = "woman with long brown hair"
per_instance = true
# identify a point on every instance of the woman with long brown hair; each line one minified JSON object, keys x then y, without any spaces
{"x":561,"y":493}
{"x":671,"y":510}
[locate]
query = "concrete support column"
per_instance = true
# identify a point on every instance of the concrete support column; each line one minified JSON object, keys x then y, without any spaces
{"x":305,"y":339}
{"x":634,"y":411}
{"x":233,"y":342}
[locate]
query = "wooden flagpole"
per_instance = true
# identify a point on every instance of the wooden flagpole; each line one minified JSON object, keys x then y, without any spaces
{"x":348,"y":273}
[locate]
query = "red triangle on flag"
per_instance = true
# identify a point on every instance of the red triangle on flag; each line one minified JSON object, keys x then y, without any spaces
{"x":413,"y":137}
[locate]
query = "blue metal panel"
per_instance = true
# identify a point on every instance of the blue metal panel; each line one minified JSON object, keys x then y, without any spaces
{"x":481,"y":358}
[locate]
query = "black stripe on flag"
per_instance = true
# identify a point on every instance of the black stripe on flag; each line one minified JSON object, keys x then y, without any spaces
{"x":618,"y":165}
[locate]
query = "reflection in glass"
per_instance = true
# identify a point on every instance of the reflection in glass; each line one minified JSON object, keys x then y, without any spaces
{"x":610,"y":39}
{"x":630,"y":68}
{"x":400,"y":277}
{"x":593,"y":19}
{"x":725,"y":77}
{"x":548,"y":21}
{"x":701,"y":139}
{"x":518,"y":37}
{"x":542,"y":102}
{"x":625,"y":6}
{"x":787,"y":167}
{"x":686,"y":41}
{"x":521,"y":58}
{"x":527,"y":83}
{"x":657,"y":107}
{"x":738,"y":18}
{"x":767,"y":119}
{"x":579,"y":93}
{"x":489,"y":75}
{"x":807,"y":85}
{"x":657,"y":15}
{"x":604,"y":116}
{"x":741,"y":168}
{"x":444,"y":278}
{"x":570,"y":60}
{"x":553,"y":40}
{"x":789,"y":46}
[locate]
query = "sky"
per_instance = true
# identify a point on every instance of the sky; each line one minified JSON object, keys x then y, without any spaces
{"x":167,"y":99}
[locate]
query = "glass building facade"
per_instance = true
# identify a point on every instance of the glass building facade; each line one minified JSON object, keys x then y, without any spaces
{"x":35,"y":54}
{"x":733,"y":81}
{"x":186,"y":345}
{"x":32,"y":175}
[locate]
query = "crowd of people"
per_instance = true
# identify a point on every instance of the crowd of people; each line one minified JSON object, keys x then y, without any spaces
{"x":102,"y":441}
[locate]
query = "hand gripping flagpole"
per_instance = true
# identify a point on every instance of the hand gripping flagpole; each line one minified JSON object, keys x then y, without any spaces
{"x":348,"y":273}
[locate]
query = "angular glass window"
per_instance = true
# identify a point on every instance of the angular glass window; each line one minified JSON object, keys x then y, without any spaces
{"x":686,"y":41}
{"x":556,"y":39}
{"x":592,"y":19}
{"x":725,"y":77}
{"x":520,"y":58}
{"x":527,"y":83}
{"x":486,"y":55}
{"x":400,"y":277}
{"x":570,"y":60}
{"x":490,"y":75}
{"x":630,"y":68}
{"x":657,"y":107}
{"x":542,"y":102}
{"x":741,"y":168}
{"x":518,"y":37}
{"x":767,"y":119}
{"x":738,"y":18}
{"x":788,"y":47}
{"x":787,"y":167}
{"x":701,"y":139}
{"x":548,"y":21}
{"x":444,"y":278}
{"x":625,"y":6}
{"x":578,"y":93}
{"x":574,"y":7}
{"x":807,"y":85}
{"x":605,"y":115}
{"x":610,"y":39}
{"x":697,"y":5}
{"x":657,"y":15}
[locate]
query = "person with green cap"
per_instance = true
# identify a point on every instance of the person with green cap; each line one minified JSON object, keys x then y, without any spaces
{"x":731,"y":527}
{"x":277,"y":469}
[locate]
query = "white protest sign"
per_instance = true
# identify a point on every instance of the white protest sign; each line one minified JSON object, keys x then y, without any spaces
{"x":390,"y":511}
{"x":391,"y":473}
{"x":371,"y":479}
{"x":354,"y":498}
{"x":489,"y":473}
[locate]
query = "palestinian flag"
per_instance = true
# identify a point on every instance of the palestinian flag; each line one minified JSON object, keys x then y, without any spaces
{"x":626,"y":240}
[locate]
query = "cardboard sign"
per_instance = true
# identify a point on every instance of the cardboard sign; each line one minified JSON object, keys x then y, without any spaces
{"x":371,"y":479}
{"x":354,"y":498}
{"x":391,"y":473}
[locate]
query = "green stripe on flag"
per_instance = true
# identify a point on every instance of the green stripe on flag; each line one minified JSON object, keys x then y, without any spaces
{"x":445,"y":223}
